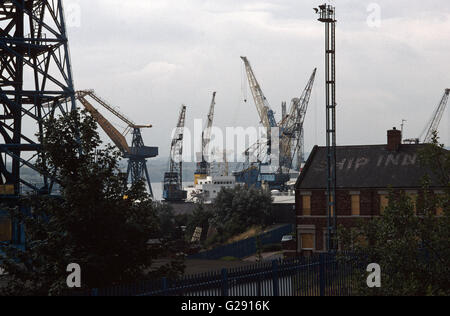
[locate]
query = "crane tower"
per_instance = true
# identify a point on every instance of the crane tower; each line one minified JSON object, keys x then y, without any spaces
{"x":173,"y":180}
{"x":203,"y":167}
{"x":137,"y":154}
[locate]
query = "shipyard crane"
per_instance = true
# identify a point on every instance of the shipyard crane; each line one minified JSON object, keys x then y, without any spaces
{"x":290,"y":137}
{"x":203,"y":167}
{"x":266,"y":114}
{"x":173,"y":180}
{"x":137,"y":154}
{"x":433,"y":125}
{"x":292,"y":131}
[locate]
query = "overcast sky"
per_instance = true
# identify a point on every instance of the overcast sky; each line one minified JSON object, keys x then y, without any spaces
{"x":150,"y":56}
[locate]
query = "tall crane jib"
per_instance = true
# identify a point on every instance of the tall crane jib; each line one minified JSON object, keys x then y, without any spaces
{"x":137,"y":154}
{"x":292,"y":128}
{"x":265,"y":112}
{"x":436,"y":119}
{"x":433,"y":125}
{"x":203,"y":166}
{"x":173,"y":179}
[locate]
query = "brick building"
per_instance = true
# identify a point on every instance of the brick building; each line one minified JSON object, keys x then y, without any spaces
{"x":365,"y":175}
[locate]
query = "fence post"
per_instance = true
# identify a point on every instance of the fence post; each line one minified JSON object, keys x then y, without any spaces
{"x":164,"y":286}
{"x":224,"y":282}
{"x":322,"y":274}
{"x":258,"y":286}
{"x":276,"y":291}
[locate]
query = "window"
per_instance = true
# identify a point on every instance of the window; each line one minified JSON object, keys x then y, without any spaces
{"x":356,"y":205}
{"x":306,"y":205}
{"x":307,"y":242}
{"x":384,"y":203}
{"x":5,"y":229}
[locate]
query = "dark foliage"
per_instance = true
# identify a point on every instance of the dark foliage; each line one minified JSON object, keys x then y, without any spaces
{"x":240,"y":208}
{"x":96,"y":221}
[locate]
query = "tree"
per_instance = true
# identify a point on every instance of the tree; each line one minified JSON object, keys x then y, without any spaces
{"x":237,"y":209}
{"x":200,"y":217}
{"x":96,"y":221}
{"x":410,"y":242}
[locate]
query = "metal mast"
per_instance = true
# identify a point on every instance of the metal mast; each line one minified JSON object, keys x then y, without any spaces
{"x":173,"y":180}
{"x":35,"y":84}
{"x":327,"y":16}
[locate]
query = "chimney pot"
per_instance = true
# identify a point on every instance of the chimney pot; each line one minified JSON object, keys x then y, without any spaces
{"x":394,"y":139}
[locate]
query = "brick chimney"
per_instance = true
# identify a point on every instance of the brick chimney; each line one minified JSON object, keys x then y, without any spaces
{"x":394,"y":139}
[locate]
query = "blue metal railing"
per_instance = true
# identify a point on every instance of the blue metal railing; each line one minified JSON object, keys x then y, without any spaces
{"x":320,"y":275}
{"x":244,"y":248}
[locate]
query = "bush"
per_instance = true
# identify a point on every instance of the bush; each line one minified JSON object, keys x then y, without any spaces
{"x":237,"y":209}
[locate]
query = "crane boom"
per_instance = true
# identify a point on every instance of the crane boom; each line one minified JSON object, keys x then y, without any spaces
{"x":436,"y":119}
{"x":266,"y":114}
{"x":112,"y":109}
{"x":173,"y":179}
{"x":207,"y":132}
{"x":292,"y":137}
{"x":176,"y":148}
{"x":118,"y":139}
{"x":299,"y":107}
{"x":305,"y":98}
{"x":203,"y":166}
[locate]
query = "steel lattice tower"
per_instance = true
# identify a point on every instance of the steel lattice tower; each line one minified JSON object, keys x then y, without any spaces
{"x":327,"y":14}
{"x":35,"y":83}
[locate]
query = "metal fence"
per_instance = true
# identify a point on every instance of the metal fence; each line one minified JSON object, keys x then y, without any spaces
{"x":245,"y":248}
{"x":321,"y":275}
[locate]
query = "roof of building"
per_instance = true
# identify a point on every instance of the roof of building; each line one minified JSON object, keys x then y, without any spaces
{"x":370,"y":166}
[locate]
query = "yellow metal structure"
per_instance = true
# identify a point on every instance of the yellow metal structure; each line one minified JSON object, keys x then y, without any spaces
{"x":7,"y":189}
{"x":198,"y":177}
{"x":118,"y":139}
